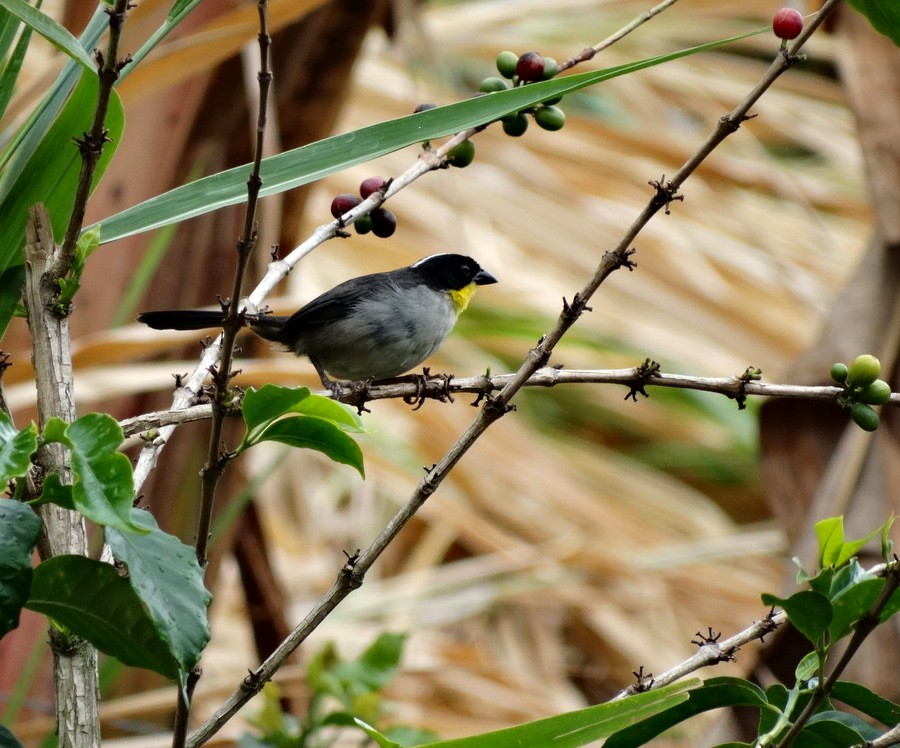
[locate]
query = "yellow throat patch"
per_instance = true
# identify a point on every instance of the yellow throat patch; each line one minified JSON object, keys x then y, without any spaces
{"x":461,"y":298}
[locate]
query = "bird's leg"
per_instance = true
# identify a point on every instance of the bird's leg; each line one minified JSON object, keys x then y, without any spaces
{"x":335,"y":387}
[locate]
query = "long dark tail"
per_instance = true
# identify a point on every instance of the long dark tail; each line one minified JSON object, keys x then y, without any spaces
{"x":181,"y":319}
{"x":268,"y":326}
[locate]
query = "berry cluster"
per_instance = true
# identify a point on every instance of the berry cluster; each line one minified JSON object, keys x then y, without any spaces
{"x":862,"y":389}
{"x":381,"y":222}
{"x":519,"y":70}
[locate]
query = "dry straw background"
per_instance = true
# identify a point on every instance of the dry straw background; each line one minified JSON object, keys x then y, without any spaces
{"x":584,"y":535}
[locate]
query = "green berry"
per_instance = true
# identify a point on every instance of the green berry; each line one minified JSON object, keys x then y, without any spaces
{"x":551,"y":68}
{"x":550,"y":117}
{"x":515,"y":126}
{"x":863,"y":371}
{"x":462,"y":154}
{"x":490,"y":85}
{"x":363,"y":224}
{"x":839,"y":373}
{"x":506,"y":63}
{"x":877,"y":393}
{"x":864,"y":416}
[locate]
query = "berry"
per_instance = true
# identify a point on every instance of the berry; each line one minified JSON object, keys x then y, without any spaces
{"x":371,"y":185}
{"x":363,"y":224}
{"x":877,"y":393}
{"x":489,"y":85}
{"x":515,"y":125}
{"x":787,"y":23}
{"x":424,"y":108}
{"x":342,"y":203}
{"x":839,"y":373}
{"x":864,"y":417}
{"x":550,"y":117}
{"x":462,"y":154}
{"x":530,"y":67}
{"x":506,"y":63}
{"x":863,"y":371}
{"x":551,"y":68}
{"x":384,"y":223}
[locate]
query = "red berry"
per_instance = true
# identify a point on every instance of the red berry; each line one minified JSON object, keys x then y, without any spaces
{"x":530,"y":67}
{"x":342,"y":203}
{"x":787,"y":23}
{"x":384,"y":223}
{"x":370,"y":186}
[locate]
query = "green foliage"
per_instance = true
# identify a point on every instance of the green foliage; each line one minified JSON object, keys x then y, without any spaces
{"x":90,"y":600}
{"x":68,"y":286}
{"x":884,"y":15}
{"x":103,"y":486}
{"x":300,"y":419}
{"x":19,"y":529}
{"x":169,"y":582}
{"x":58,"y":36}
{"x":16,"y":448}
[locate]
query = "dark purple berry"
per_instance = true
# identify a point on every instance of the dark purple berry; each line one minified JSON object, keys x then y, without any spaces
{"x":530,"y":67}
{"x":370,"y":186}
{"x":342,"y":203}
{"x":384,"y":223}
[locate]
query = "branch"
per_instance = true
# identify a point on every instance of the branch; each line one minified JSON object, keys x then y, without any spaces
{"x":417,"y":389}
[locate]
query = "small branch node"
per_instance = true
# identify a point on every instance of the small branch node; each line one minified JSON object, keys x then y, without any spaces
{"x":665,"y":194}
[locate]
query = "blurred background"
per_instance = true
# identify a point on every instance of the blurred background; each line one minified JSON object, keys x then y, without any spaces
{"x":584,"y":536}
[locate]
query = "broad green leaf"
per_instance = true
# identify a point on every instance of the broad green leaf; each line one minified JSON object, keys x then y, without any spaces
{"x":852,"y":604}
{"x":317,"y":160}
{"x":16,"y":448}
{"x":839,"y":729}
{"x":884,"y":15}
{"x":830,"y":533}
{"x":376,"y":667}
{"x":715,"y":693}
{"x":334,"y":412}
{"x":91,"y":600}
{"x":103,"y":488}
{"x":581,"y":727}
{"x":166,"y":576}
{"x":19,"y":529}
{"x":54,"y":491}
{"x":260,"y":408}
{"x":807,"y":668}
{"x":7,"y":739}
{"x":49,"y":176}
{"x":58,"y":36}
{"x":863,"y":700}
{"x":314,"y":433}
{"x":810,"y":612}
{"x":379,"y":739}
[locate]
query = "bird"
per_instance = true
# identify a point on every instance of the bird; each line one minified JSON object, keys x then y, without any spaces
{"x":373,"y":327}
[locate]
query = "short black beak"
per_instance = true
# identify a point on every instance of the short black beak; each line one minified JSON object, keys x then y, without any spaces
{"x":483,"y":278}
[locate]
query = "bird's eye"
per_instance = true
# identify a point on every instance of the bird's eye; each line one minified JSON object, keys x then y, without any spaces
{"x":466,"y":270}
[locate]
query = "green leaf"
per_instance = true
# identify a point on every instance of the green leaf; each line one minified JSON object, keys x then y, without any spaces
{"x":807,"y":668}
{"x":810,"y":612}
{"x":319,"y":159}
{"x":376,"y":667}
{"x":16,"y":448}
{"x":884,"y":15}
{"x":830,"y":533}
{"x":54,"y":491}
{"x":380,"y":739}
{"x":92,"y":601}
{"x":712,"y":694}
{"x":852,"y":604}
{"x":14,"y":62}
{"x":887,"y":545}
{"x":342,"y":416}
{"x":57,"y":35}
{"x":19,"y":530}
{"x":870,"y":703}
{"x":166,"y":576}
{"x":839,"y":729}
{"x":314,"y":433}
{"x":260,"y":408}
{"x":103,"y":489}
{"x":7,"y":739}
{"x":581,"y":727}
{"x":49,"y":176}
